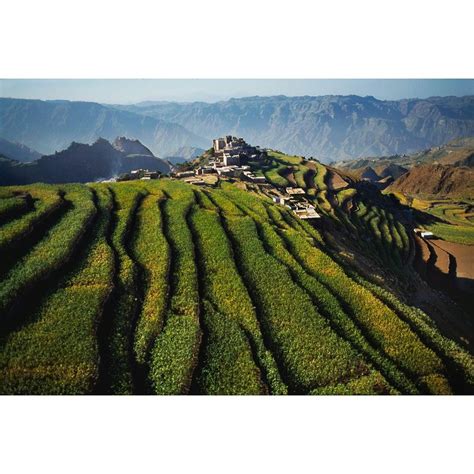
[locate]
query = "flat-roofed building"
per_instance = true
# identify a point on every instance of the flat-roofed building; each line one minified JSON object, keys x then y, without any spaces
{"x":185,"y":174}
{"x":295,"y":191}
{"x":306,"y":213}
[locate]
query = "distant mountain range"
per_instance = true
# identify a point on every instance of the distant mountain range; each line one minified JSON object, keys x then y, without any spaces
{"x":330,"y":128}
{"x":83,"y":163}
{"x":49,"y":126}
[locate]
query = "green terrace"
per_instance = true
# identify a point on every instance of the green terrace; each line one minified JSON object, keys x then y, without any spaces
{"x":163,"y":287}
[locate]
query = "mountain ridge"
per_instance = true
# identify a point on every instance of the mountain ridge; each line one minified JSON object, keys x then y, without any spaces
{"x":457,"y":152}
{"x":79,"y":162}
{"x":330,"y":127}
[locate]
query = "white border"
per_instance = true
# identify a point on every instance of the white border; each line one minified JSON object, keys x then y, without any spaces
{"x":248,"y":38}
{"x":217,"y":39}
{"x":236,"y":434}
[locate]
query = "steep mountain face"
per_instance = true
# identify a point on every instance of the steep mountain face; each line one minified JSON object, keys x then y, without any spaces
{"x":81,"y":162}
{"x":437,"y":180}
{"x":48,"y":126}
{"x":328,"y":127}
{"x":18,"y":151}
{"x":78,"y":163}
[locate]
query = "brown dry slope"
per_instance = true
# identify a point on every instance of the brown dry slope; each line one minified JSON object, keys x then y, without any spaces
{"x":437,"y":180}
{"x":335,"y":181}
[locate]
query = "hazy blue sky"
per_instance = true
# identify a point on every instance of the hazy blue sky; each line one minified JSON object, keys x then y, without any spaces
{"x":210,"y":90}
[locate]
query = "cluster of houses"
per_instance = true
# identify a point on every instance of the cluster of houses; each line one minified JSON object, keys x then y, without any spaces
{"x":242,"y":172}
{"x":230,"y":159}
{"x":295,"y":200}
{"x":230,"y":155}
{"x":231,"y":171}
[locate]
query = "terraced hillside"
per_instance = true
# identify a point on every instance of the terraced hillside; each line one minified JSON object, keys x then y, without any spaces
{"x":161,"y":287}
{"x":347,"y":207}
{"x":357,"y":217}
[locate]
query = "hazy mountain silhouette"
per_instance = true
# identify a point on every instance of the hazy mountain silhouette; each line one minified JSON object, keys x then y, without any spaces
{"x":330,"y":128}
{"x":18,"y":151}
{"x":80,"y":163}
{"x":48,"y":126}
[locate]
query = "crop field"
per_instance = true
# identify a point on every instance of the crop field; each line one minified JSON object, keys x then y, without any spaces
{"x":380,"y":234}
{"x":453,"y":220}
{"x":161,"y":287}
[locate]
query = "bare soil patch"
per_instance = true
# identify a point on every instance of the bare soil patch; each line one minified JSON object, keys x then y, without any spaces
{"x":464,"y":255}
{"x":335,"y":182}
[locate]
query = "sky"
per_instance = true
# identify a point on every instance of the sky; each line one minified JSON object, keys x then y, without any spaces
{"x":128,"y":91}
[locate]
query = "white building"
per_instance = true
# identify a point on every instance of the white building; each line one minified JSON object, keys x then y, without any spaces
{"x":230,"y":159}
{"x":255,"y":179}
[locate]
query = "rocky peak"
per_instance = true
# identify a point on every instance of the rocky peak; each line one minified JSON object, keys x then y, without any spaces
{"x":131,"y":147}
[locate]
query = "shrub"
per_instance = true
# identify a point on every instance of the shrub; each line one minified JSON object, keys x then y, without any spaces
{"x":331,"y":308}
{"x":462,"y":361}
{"x":13,"y":207}
{"x":371,"y":384}
{"x":275,"y":176}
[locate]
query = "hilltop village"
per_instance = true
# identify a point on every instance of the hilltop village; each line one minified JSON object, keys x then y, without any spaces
{"x":230,"y":159}
{"x":233,"y":158}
